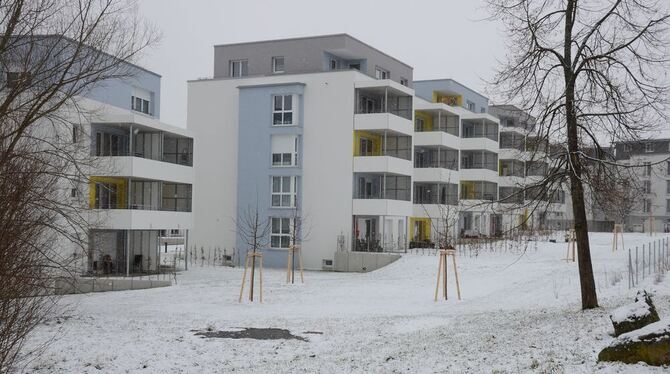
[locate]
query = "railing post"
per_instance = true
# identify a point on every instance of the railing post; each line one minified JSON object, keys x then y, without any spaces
{"x":636,"y":275}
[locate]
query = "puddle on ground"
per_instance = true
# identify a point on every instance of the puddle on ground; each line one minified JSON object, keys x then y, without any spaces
{"x":252,"y":333}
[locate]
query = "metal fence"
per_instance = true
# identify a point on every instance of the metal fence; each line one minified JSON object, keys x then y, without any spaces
{"x":651,"y":260}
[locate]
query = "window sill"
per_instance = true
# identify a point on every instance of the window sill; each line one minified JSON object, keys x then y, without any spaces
{"x":282,"y":207}
{"x":284,"y":166}
{"x":285,"y":125}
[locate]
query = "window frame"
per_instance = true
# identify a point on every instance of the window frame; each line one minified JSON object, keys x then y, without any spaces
{"x":243,"y":65}
{"x":275,"y":59}
{"x":282,"y":232}
{"x":282,"y":194}
{"x":282,"y":111}
{"x":381,"y":73}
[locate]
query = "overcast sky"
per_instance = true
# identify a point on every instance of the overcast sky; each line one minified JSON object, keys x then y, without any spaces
{"x":439,"y":38}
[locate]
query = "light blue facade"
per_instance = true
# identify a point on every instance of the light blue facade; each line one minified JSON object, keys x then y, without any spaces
{"x":118,"y":92}
{"x":425,"y":89}
{"x":254,"y":168}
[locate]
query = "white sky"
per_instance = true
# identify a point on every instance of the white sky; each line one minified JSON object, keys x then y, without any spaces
{"x":439,"y":38}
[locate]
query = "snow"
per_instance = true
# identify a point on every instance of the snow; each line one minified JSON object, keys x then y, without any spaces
{"x":651,"y":331}
{"x":520,"y":313}
{"x":631,"y":312}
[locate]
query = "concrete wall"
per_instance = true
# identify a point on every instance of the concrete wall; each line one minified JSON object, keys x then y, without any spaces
{"x":362,"y":262}
{"x":307,"y":55}
{"x":86,"y":285}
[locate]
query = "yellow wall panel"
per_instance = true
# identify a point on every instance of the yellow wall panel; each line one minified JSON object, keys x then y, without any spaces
{"x":121,"y":188}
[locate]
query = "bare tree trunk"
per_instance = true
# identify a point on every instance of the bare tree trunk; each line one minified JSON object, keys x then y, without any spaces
{"x":586,"y":279}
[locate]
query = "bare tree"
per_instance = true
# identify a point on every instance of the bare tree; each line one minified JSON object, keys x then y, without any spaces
{"x":300,"y":231}
{"x":254,"y":231}
{"x":592,"y":73}
{"x":52,"y":54}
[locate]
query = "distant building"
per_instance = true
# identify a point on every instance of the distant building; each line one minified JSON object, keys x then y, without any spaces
{"x":334,"y":130}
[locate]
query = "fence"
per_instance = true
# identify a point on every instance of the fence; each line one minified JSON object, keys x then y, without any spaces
{"x":211,"y":256}
{"x":652,"y":260}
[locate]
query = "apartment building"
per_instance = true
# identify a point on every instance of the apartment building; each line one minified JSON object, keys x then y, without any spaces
{"x":651,"y":162}
{"x":336,"y":133}
{"x":140,"y":177}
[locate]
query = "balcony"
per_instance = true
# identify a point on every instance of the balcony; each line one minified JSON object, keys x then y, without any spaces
{"x":479,"y":128}
{"x":511,"y":195}
{"x":479,"y":190}
{"x":512,"y":168}
{"x":436,"y":121}
{"x":435,"y":193}
{"x":435,"y":157}
{"x":114,"y":140}
{"x":121,"y":194}
{"x":384,"y":107}
{"x":381,"y":186}
{"x":138,"y":167}
{"x":129,"y":219}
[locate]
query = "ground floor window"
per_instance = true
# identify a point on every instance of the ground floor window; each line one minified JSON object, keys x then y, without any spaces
{"x":281,"y":233}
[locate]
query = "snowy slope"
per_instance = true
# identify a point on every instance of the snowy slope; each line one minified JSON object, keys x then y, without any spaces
{"x":519,"y":313}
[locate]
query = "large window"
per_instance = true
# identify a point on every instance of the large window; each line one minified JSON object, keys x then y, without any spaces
{"x":106,"y":195}
{"x":147,"y":145}
{"x":281,"y":233}
{"x":283,"y":191}
{"x":107,"y":144}
{"x":278,"y":64}
{"x":139,"y":104}
{"x":238,"y":68}
{"x":282,"y":110}
{"x":647,"y":169}
{"x":145,"y":195}
{"x":177,"y":197}
{"x":178,"y":150}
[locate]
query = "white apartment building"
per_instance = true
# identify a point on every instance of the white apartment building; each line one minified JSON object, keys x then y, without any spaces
{"x":333,"y":131}
{"x":140,"y":178}
{"x":651,"y":159}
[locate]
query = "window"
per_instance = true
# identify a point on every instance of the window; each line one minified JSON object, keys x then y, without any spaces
{"x":647,"y":169}
{"x":139,"y":104}
{"x":333,"y":64}
{"x":282,"y":110}
{"x":178,"y":150}
{"x":107,"y":144}
{"x":238,"y":68}
{"x":418,"y":124}
{"x":404,"y":81}
{"x":282,"y":159}
{"x":647,"y":186}
{"x":281,"y":233}
{"x":278,"y":64}
{"x":16,"y":79}
{"x":76,"y":130}
{"x":649,"y":147}
{"x":646,"y":206}
{"x":667,"y":187}
{"x":176,"y":197}
{"x":471,"y":106}
{"x":366,"y":147}
{"x":73,"y":192}
{"x":667,"y":166}
{"x":284,"y":150}
{"x":106,"y":196}
{"x":667,"y":206}
{"x":283,"y":192}
{"x":382,"y":73}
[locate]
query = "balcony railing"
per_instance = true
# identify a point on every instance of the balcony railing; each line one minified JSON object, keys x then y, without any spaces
{"x":390,"y":187}
{"x":479,"y":190}
{"x":381,"y":100}
{"x":480,"y":129}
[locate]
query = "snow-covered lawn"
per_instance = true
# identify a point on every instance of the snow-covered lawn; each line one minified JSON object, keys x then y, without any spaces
{"x":519,"y":313}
